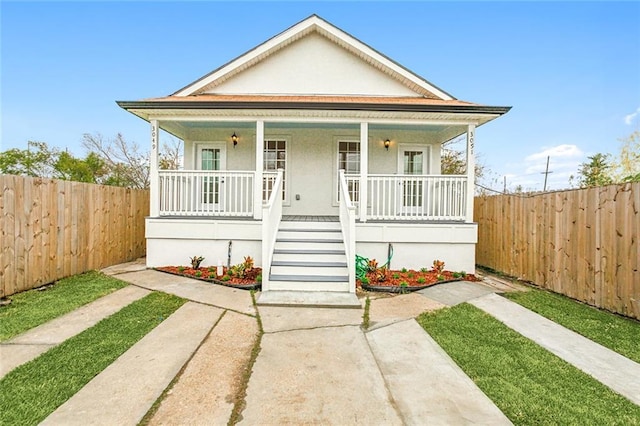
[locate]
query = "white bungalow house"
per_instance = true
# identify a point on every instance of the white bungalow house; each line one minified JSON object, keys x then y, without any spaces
{"x":305,"y":151}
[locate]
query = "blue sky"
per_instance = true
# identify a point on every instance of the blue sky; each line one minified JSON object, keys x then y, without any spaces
{"x":571,"y":70}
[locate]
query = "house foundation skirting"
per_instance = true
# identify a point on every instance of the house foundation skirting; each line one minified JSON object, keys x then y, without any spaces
{"x":417,"y":245}
{"x":173,"y":241}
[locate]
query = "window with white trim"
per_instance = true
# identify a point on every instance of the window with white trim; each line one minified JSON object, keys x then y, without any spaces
{"x":349,"y":161}
{"x":275,"y":157}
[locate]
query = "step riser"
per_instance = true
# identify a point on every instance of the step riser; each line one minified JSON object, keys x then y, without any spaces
{"x":310,"y":225}
{"x":309,"y":235}
{"x":301,"y":270}
{"x":280,"y":245}
{"x":280,"y":257}
{"x":307,"y":286}
{"x":308,"y":264}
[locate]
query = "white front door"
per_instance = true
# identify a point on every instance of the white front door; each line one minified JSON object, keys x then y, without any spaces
{"x":211,"y":157}
{"x":412,"y":160}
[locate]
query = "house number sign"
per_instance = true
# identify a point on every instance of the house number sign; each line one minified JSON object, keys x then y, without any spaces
{"x":154,"y":137}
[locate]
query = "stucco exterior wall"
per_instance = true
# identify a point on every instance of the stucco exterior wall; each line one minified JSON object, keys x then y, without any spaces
{"x":417,"y":245}
{"x":174,"y":241}
{"x":312,"y":157}
{"x":313,"y":65}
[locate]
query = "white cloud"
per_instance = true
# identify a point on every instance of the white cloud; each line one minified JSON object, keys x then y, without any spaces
{"x":564,"y":160}
{"x":628,"y":119}
{"x":564,"y":150}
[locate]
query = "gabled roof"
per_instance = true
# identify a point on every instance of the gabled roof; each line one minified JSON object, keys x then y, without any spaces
{"x":314,"y":24}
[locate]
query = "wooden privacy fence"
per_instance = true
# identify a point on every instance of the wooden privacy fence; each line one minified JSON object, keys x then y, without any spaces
{"x":582,"y":243}
{"x":52,"y":229}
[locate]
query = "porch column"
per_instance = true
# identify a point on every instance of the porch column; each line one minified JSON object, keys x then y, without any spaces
{"x":364,"y":169}
{"x":154,"y":180}
{"x":471,"y":169}
{"x":257,"y":191}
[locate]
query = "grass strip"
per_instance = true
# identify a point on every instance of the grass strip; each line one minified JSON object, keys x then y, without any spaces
{"x":366,"y":320}
{"x":34,"y":307}
{"x":617,"y":333}
{"x":240,"y":399}
{"x":34,"y":390}
{"x":529,"y":384}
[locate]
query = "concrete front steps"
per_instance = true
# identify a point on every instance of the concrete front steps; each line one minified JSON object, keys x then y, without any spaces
{"x":308,"y":258}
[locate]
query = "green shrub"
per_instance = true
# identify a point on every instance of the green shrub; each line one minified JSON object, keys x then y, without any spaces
{"x":196,"y":261}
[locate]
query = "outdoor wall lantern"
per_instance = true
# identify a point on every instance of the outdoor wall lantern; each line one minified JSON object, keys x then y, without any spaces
{"x":386,"y":144}
{"x":234,"y":139}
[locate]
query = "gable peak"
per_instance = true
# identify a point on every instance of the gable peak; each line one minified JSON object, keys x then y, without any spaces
{"x":314,"y":24}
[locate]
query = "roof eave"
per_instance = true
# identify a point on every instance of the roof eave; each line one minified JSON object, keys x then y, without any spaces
{"x":327,"y":106}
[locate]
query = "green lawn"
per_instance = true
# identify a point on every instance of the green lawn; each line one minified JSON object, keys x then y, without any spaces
{"x":34,"y":307}
{"x":32,"y":391}
{"x":612,"y":331}
{"x":529,"y":384}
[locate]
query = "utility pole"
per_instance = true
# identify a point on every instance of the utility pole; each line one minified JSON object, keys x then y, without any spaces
{"x":546,"y":174}
{"x":504,"y":187}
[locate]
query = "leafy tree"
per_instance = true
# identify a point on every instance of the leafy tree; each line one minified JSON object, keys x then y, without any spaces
{"x":91,"y":170}
{"x":108,"y":162}
{"x":36,"y":161}
{"x":626,"y":167}
{"x":595,"y":172}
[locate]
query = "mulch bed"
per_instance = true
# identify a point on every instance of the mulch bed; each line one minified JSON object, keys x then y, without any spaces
{"x":209,"y":275}
{"x":410,"y":280}
{"x":391,"y":282}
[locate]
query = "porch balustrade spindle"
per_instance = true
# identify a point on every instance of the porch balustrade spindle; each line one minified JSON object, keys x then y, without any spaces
{"x":417,"y":197}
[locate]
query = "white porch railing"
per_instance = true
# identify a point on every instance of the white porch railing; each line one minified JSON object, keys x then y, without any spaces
{"x":353,"y":186}
{"x":417,"y":197}
{"x":268,"y":181}
{"x":271,"y":217}
{"x":206,"y":193}
{"x":348,"y":225}
{"x":210,"y":192}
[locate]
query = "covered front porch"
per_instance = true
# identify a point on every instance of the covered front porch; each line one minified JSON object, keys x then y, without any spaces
{"x":392,"y":169}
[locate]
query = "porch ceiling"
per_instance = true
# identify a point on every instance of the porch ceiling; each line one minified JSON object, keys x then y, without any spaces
{"x":182,"y":129}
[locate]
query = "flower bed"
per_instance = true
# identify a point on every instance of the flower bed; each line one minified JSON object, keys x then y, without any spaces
{"x":251,"y":279}
{"x":404,"y":280}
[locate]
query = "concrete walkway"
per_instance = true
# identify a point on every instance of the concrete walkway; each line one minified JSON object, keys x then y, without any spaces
{"x":315,"y":365}
{"x":318,"y":370}
{"x":194,"y":290}
{"x":27,"y":346}
{"x":426,"y":384}
{"x":610,"y":368}
{"x":123,"y":392}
